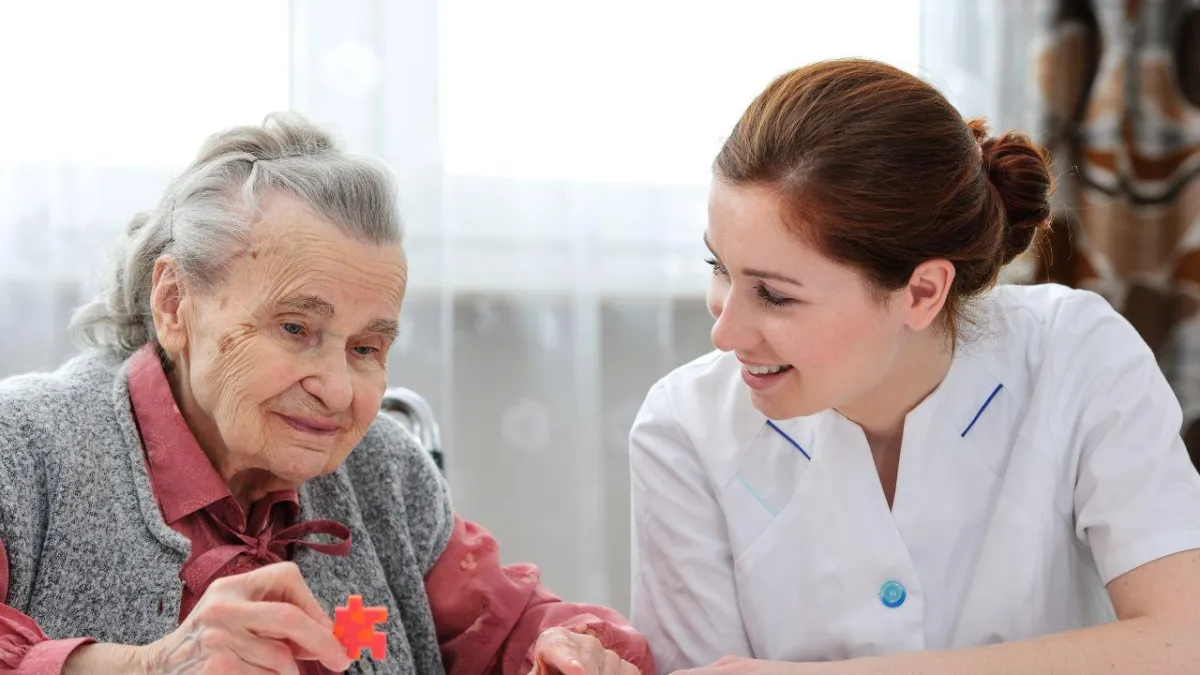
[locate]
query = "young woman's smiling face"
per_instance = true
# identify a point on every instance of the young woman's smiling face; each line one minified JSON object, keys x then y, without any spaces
{"x":811,"y":334}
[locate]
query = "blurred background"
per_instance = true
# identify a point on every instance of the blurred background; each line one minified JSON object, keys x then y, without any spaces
{"x":553,"y":157}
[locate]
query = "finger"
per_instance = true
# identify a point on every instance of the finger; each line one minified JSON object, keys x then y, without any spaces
{"x":268,"y":655}
{"x":610,"y":663}
{"x":556,"y":650}
{"x":283,"y":621}
{"x":557,"y":665}
{"x":282,"y":582}
{"x":592,"y":653}
{"x":727,"y":661}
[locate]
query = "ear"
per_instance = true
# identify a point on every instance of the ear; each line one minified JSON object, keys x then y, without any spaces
{"x":927,"y":291}
{"x":168,"y":300}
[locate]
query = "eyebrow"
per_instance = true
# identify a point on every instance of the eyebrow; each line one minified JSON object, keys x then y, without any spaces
{"x":312,"y":304}
{"x":775,"y":276}
{"x":386,"y":327}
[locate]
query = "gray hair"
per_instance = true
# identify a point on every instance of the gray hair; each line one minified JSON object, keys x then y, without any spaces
{"x":205,"y":214}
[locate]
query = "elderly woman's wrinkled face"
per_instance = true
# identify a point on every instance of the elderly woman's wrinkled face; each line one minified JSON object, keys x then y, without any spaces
{"x":280,"y":368}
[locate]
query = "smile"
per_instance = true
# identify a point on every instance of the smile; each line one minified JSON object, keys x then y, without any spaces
{"x":763,"y":377}
{"x":316,"y":427}
{"x":765,"y":370}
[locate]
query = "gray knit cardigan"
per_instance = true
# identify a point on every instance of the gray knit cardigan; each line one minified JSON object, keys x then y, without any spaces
{"x":90,"y":555}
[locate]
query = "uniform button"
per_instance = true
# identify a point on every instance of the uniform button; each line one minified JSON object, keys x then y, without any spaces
{"x":892,"y":594}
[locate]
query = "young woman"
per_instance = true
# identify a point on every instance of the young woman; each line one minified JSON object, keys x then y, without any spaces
{"x":890,"y":462}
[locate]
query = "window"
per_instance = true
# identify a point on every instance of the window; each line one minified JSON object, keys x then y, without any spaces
{"x":632,"y":91}
{"x":104,"y":101}
{"x":136,"y":82}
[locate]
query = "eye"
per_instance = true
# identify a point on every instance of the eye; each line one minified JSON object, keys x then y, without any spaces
{"x":366,"y":350}
{"x":717,"y":268}
{"x":772,"y":299}
{"x":292,"y":328}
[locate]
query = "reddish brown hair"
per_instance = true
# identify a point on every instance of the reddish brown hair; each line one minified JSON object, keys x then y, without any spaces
{"x":879,"y":171}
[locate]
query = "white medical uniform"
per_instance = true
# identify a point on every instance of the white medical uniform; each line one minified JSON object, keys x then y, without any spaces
{"x":1047,"y":463}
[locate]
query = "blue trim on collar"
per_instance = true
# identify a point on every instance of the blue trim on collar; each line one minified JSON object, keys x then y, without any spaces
{"x":982,"y":408}
{"x":791,"y":440}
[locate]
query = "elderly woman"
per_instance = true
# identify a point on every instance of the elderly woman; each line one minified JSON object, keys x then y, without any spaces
{"x":161,"y":492}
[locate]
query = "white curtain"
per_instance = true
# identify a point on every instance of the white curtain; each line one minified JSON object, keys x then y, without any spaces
{"x":553,"y":157}
{"x":99,"y":103}
{"x":982,"y":55}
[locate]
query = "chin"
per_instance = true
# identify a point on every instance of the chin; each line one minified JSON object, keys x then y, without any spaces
{"x":784,"y":407}
{"x":303,"y":464}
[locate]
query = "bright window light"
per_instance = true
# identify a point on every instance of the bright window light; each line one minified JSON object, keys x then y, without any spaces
{"x":156,"y":77}
{"x":633,"y":91}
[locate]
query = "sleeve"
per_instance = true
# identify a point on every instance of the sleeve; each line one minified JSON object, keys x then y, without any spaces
{"x":24,"y":648}
{"x":1137,"y":493}
{"x":684,"y":597}
{"x":22,"y":514}
{"x":489,"y":616}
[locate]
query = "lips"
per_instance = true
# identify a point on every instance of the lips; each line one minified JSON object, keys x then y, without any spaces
{"x":762,"y":377}
{"x":311,"y":425}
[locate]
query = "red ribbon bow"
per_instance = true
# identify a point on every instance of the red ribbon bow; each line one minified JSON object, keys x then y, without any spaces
{"x":203,"y":570}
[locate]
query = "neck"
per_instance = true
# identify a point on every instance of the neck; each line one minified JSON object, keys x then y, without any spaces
{"x":920,"y":368}
{"x":250,"y":485}
{"x":246,"y":482}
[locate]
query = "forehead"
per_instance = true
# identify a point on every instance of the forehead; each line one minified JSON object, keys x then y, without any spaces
{"x":747,"y":229}
{"x":292,"y":251}
{"x":750,"y":219}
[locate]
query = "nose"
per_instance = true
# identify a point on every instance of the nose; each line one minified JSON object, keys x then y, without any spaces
{"x":332,"y":382}
{"x":734,"y":330}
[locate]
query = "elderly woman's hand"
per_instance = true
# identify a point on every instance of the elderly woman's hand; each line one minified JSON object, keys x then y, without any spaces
{"x":563,"y":652}
{"x":259,"y":622}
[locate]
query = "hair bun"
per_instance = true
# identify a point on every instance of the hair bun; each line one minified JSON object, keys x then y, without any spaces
{"x":979,"y":129}
{"x":1019,"y":170}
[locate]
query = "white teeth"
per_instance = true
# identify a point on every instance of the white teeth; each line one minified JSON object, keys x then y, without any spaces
{"x":764,"y":370}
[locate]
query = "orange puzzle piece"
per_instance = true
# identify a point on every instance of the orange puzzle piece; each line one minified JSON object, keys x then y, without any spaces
{"x":354,"y":627}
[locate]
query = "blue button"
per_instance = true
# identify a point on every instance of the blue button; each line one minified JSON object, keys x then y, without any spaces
{"x":892,"y":594}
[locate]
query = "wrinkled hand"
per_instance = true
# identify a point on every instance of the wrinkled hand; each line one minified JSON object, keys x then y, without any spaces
{"x":739,"y":665}
{"x":258,"y":622}
{"x":563,"y":652}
